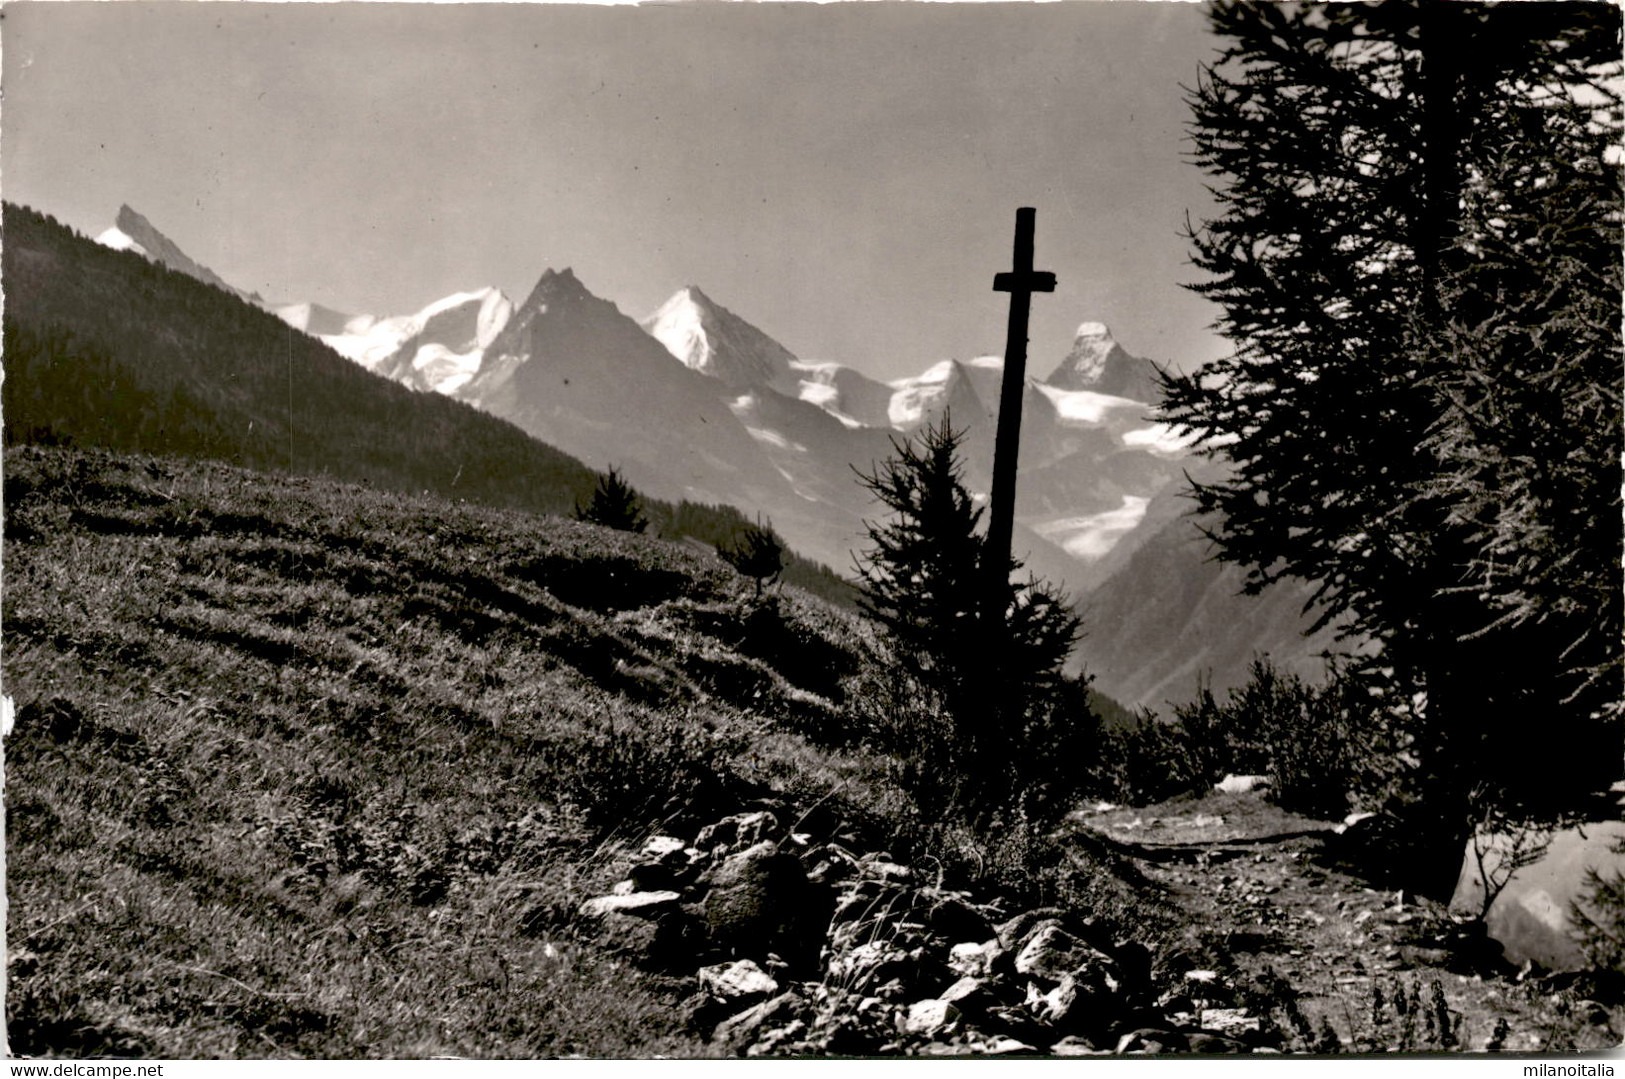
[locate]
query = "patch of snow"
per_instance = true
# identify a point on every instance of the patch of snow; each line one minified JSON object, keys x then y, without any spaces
{"x":1160,"y":439}
{"x":911,"y":397}
{"x":445,"y":371}
{"x":821,"y":394}
{"x":1086,"y":406}
{"x":774,"y":438}
{"x":679,"y":325}
{"x":378,"y":342}
{"x":1091,"y":536}
{"x":119,"y":240}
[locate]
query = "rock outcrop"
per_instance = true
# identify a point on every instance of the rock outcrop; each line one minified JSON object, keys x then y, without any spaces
{"x":798,"y":947}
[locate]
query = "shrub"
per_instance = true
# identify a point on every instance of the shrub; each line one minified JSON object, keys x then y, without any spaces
{"x":1599,"y":919}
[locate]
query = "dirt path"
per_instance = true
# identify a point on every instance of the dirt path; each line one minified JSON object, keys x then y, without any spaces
{"x":1385,"y":970}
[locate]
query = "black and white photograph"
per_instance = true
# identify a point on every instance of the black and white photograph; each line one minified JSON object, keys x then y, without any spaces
{"x":787,"y":531}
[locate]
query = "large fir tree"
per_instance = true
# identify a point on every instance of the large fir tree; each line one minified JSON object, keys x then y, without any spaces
{"x":1415,"y":253}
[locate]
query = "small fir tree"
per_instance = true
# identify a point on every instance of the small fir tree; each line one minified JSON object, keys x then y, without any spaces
{"x":1013,"y":719}
{"x":615,"y":504}
{"x":757,"y":553}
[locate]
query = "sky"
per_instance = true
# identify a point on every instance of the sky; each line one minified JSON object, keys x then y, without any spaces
{"x":844,"y":176}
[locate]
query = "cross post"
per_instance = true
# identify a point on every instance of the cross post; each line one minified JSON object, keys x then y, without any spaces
{"x":1021,"y":282}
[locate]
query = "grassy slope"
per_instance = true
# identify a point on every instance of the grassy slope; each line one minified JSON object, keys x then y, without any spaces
{"x":303,"y":768}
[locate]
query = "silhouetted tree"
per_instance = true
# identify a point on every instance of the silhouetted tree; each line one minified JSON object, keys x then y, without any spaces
{"x":757,"y":553}
{"x":614,"y":504}
{"x":1013,"y":714}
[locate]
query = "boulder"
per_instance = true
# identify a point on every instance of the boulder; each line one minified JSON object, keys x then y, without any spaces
{"x":928,"y":1018}
{"x":666,"y":941}
{"x":741,"y":980}
{"x":760,"y":901}
{"x":951,"y":918}
{"x":972,"y":996}
{"x":1241,"y":784}
{"x":652,"y":877}
{"x":739,"y":831}
{"x":974,"y":960}
{"x":660,"y":847}
{"x":1051,"y":954}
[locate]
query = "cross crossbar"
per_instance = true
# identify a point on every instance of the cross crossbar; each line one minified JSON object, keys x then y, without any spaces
{"x":1029,"y":281}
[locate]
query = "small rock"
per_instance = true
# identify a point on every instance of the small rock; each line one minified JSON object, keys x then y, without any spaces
{"x":974,"y":960}
{"x":738,"y":1030}
{"x":1233,"y":784}
{"x":926,"y":1018}
{"x":1230,"y":1021}
{"x":660,"y":846}
{"x":881,"y":867}
{"x":645,"y":904}
{"x":1205,"y":977}
{"x":1003,"y":1047}
{"x":1074,"y":1046}
{"x":739,"y":831}
{"x":1152,"y":1040}
{"x":740,"y":980}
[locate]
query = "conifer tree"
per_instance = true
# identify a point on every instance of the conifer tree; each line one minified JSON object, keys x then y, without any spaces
{"x":614,"y":504}
{"x":1399,"y":432}
{"x":1015,"y":718}
{"x":757,"y":553}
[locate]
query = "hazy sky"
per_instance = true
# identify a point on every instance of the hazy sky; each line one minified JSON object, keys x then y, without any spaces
{"x":845,"y":176}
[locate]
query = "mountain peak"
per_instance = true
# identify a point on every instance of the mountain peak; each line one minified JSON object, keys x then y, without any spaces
{"x":132,"y":231}
{"x":1098,"y":363}
{"x":714,"y":341}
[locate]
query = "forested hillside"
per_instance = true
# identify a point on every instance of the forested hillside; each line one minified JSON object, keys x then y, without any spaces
{"x":104,"y":348}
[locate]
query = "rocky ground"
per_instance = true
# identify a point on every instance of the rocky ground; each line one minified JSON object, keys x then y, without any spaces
{"x":804,"y":946}
{"x":1372,"y":969}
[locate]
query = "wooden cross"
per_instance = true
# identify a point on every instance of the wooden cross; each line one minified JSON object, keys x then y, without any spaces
{"x":1021,"y":282}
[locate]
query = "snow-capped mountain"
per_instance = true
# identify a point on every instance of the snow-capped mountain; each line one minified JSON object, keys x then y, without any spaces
{"x":132,"y":232}
{"x":1099,"y":364}
{"x":437,"y":348}
{"x":714,"y":341}
{"x":696,"y":403}
{"x":443,"y":346}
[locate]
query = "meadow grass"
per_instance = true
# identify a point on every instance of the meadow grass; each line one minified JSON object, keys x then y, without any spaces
{"x":302,"y":768}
